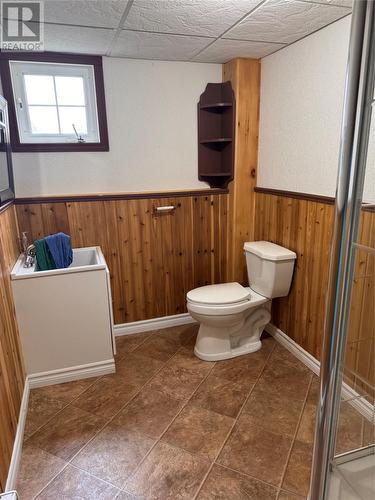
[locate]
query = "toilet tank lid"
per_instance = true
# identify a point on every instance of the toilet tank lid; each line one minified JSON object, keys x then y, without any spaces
{"x":269,"y":251}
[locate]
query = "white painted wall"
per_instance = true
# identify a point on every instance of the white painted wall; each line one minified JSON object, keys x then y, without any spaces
{"x":302,"y":93}
{"x":152,"y":126}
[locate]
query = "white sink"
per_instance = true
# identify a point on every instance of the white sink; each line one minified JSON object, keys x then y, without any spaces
{"x":65,"y":318}
{"x":84,"y":259}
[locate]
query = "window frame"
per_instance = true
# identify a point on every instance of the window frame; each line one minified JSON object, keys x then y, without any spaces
{"x":19,"y":86}
{"x":55,"y":58}
{"x":7,"y":195}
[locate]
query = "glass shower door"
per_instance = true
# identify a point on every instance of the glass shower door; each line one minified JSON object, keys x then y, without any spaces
{"x":353,"y":464}
{"x":344,"y":460}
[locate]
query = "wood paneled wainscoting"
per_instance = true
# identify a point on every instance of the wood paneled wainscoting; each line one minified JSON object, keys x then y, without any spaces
{"x":154,"y":260}
{"x":304,"y":224}
{"x":11,"y":363}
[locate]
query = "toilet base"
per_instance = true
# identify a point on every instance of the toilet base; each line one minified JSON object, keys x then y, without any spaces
{"x":233,"y":353}
{"x":229,"y":336}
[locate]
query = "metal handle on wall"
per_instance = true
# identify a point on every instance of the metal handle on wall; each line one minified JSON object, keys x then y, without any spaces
{"x":167,"y":209}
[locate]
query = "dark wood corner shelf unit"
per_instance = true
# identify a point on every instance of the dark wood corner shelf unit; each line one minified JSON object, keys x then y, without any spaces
{"x":216,"y":129}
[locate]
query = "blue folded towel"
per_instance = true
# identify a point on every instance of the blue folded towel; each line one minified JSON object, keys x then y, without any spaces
{"x":61,"y":249}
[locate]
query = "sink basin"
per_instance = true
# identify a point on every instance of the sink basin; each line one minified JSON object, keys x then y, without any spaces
{"x":84,"y":259}
{"x":65,"y":318}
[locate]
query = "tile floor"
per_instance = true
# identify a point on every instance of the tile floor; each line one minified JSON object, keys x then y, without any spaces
{"x":170,"y":426}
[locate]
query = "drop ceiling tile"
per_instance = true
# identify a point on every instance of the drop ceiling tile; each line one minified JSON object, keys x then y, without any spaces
{"x":143,"y":45}
{"x":224,"y":50}
{"x":285,"y":21}
{"x":339,"y":3}
{"x":188,"y":17}
{"x":77,"y":39}
{"x":100,"y":13}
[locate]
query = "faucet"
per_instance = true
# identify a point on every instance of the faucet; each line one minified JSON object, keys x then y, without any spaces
{"x":29,"y":256}
{"x":28,"y":250}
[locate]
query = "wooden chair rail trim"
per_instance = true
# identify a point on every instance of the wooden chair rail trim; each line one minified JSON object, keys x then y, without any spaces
{"x":297,"y":195}
{"x":329,"y":200}
{"x":117,"y":196}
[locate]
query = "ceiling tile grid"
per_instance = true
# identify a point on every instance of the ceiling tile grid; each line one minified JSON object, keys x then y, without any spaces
{"x":95,"y":13}
{"x":81,"y":40}
{"x":185,"y":30}
{"x":285,"y":21}
{"x":195,"y":17}
{"x":145,"y":45}
{"x":224,"y":50}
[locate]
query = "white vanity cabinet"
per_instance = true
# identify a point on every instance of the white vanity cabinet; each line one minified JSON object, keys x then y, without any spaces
{"x":65,"y":318}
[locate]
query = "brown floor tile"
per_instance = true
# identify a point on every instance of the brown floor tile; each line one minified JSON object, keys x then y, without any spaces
{"x":313,"y":395}
{"x":285,"y":382}
{"x":257,"y":448}
{"x":113,"y":454}
{"x":127,"y":343}
{"x":75,"y":484}
{"x":41,"y":409}
{"x":150,"y":412}
{"x":286,"y":495}
{"x":179,"y":383}
{"x":199,"y":431}
{"x":191,"y":337}
{"x":297,"y":475}
{"x":225,"y":484}
{"x":68,"y":391}
{"x":273,"y":412}
{"x":306,"y":429}
{"x":160,"y":346}
{"x":282,"y":360}
{"x":256,"y":451}
{"x":107,"y":396}
{"x":268,"y":342}
{"x":136,"y":369}
{"x":168,"y":473}
{"x":349,"y":430}
{"x":368,"y":432}
{"x":37,"y":468}
{"x":221,"y":396}
{"x":284,"y":370}
{"x":184,"y":334}
{"x":126,"y":496}
{"x":242,"y":369}
{"x":65,"y":435}
{"x":185,"y":358}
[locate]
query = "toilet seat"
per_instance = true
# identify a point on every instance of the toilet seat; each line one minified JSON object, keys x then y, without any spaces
{"x":215,"y":301}
{"x":220,"y":294}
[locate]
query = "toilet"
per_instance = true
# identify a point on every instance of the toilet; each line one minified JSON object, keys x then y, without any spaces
{"x":232,"y":317}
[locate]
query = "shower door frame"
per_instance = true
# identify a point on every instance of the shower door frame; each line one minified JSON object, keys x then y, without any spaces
{"x":358,"y":100}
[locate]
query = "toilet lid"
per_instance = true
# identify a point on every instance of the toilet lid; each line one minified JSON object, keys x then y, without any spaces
{"x":225,"y":293}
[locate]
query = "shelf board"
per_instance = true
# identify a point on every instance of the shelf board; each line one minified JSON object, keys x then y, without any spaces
{"x":216,"y":141}
{"x":217,"y":107}
{"x":221,"y":174}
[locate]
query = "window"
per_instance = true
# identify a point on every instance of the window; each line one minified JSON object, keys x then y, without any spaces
{"x":55,"y":105}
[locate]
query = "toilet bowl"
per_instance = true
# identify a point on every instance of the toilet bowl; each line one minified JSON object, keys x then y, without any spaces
{"x":232,"y":317}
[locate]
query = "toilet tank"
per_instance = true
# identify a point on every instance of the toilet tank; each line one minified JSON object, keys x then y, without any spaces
{"x":269,"y":268}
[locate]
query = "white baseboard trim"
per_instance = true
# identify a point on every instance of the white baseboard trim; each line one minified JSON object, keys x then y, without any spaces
{"x":42,"y":379}
{"x":17,"y":445}
{"x":348,"y":393}
{"x":152,"y":324}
